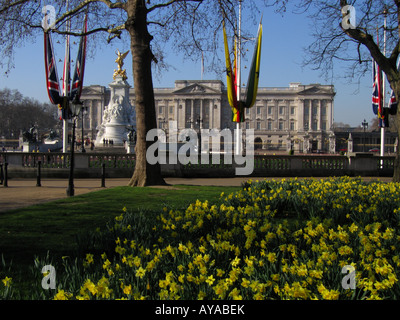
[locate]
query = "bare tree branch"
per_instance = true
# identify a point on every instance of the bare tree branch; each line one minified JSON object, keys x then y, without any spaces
{"x":12,"y":4}
{"x":169,"y":3}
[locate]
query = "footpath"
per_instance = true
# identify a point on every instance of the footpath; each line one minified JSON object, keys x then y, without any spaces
{"x":24,"y":192}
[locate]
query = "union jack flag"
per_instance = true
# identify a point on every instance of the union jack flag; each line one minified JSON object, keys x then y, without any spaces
{"x":393,"y":101}
{"x":390,"y":110}
{"x":393,"y":104}
{"x":77,"y":82}
{"x":53,"y":88}
{"x":378,"y":106}
{"x":377,"y":90}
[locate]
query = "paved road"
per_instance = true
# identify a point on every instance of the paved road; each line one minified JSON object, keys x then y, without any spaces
{"x":23,"y":192}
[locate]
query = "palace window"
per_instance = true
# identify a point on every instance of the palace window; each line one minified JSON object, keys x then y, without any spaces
{"x":323,"y":110}
{"x":315,"y":125}
{"x":269,"y":125}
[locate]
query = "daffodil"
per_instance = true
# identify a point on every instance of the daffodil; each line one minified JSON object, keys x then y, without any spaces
{"x":7,"y":281}
{"x":128,"y":290}
{"x":140,"y":272}
{"x":235,"y":262}
{"x":62,"y":295}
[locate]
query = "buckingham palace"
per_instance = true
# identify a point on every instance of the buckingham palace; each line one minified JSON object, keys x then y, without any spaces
{"x":296,"y":118}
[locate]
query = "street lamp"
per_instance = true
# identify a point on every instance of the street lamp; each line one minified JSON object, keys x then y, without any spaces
{"x":75,"y":108}
{"x":365,"y":125}
{"x":84,"y":112}
{"x":199,"y":121}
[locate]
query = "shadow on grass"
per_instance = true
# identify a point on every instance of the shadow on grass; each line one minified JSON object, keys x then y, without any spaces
{"x":53,"y":228}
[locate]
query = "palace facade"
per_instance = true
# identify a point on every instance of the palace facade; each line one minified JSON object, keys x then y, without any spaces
{"x":298,"y":117}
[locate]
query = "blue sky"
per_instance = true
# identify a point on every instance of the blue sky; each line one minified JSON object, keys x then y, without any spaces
{"x":284,"y":38}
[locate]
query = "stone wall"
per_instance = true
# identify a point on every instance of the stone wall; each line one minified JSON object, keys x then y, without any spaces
{"x":87,"y":165}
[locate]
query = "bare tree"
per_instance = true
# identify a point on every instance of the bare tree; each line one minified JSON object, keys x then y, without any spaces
{"x":354,"y":46}
{"x":18,"y":113}
{"x":193,"y":26}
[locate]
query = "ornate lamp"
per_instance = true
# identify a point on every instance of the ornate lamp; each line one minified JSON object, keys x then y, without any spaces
{"x":75,"y":108}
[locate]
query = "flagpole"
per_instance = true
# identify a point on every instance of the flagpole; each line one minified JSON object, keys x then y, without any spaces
{"x":202,"y":65}
{"x":382,"y":153}
{"x":66,"y":81}
{"x":238,"y":145}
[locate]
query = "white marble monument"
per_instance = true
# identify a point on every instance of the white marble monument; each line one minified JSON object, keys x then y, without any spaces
{"x":119,"y":117}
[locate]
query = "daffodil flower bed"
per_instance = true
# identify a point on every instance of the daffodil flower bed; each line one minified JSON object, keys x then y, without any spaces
{"x":283,"y":239}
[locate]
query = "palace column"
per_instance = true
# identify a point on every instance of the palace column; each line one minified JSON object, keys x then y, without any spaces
{"x":201,"y":116}
{"x":276,"y":115}
{"x":300,"y":114}
{"x":218,"y":115}
{"x":192,"y":113}
{"x":329,"y":112}
{"x":319,"y":113}
{"x":182,"y":105}
{"x":211,"y":114}
{"x":176,"y":112}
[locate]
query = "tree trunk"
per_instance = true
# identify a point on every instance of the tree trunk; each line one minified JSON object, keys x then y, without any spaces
{"x":144,"y":174}
{"x":396,"y":174}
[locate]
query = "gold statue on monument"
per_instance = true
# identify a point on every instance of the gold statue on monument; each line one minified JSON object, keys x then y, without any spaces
{"x":120,"y":63}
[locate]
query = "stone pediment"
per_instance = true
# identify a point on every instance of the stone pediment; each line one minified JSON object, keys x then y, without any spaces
{"x":93,"y":90}
{"x":316,"y":90}
{"x":197,"y":89}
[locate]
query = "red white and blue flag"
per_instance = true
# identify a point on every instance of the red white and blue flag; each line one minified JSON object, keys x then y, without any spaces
{"x":52,"y":84}
{"x":377,"y":90}
{"x":77,"y":81}
{"x":378,"y":106}
{"x":69,"y":92}
{"x":393,"y":104}
{"x":377,"y":97}
{"x":393,"y":101}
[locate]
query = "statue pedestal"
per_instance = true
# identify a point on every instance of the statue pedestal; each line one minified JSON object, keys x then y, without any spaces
{"x":29,"y":146}
{"x":130,"y":147}
{"x":115,"y":134}
{"x":119,"y":116}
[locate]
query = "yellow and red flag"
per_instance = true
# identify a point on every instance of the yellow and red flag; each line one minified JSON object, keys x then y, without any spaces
{"x":231,"y":78}
{"x":254,"y":75}
{"x":235,"y":102}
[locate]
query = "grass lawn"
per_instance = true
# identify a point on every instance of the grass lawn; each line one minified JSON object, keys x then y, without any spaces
{"x":286,"y":239}
{"x":53,"y":227}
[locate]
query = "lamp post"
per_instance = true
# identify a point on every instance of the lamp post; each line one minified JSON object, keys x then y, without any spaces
{"x":199,"y":121}
{"x":365,"y":125}
{"x":75,"y":108}
{"x":84,"y":111}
